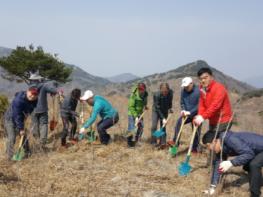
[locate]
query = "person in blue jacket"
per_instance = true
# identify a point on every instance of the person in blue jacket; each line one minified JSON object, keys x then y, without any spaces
{"x":109,"y":115}
{"x":21,"y":107}
{"x":247,"y":149}
{"x":189,"y":106}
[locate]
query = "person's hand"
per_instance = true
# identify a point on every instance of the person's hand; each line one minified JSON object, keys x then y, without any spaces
{"x":225,"y":166}
{"x":82,"y":130}
{"x":164,"y":121}
{"x":198,"y":120}
{"x":171,"y":111}
{"x":22,"y":132}
{"x":60,"y":91}
{"x":136,"y":121}
{"x":211,"y":190}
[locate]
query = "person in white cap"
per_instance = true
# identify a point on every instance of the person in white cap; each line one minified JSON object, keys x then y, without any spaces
{"x":189,"y":107}
{"x":109,"y":115}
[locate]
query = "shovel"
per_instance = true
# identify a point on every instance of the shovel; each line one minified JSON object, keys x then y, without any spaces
{"x":173,"y":149}
{"x":53,"y":123}
{"x":133,"y":132}
{"x":184,"y":167}
{"x":19,"y":155}
{"x":161,"y":132}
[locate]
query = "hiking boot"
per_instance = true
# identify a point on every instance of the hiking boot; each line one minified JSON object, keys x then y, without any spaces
{"x":194,"y":152}
{"x":170,"y":143}
{"x":73,"y":141}
{"x":131,"y":144}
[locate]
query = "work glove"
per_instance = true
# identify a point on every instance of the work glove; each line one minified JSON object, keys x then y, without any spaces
{"x":225,"y":166}
{"x":198,"y":120}
{"x":211,"y":190}
{"x":171,"y":111}
{"x":22,"y":132}
{"x":164,"y":121}
{"x":82,"y":130}
{"x":136,"y":121}
{"x":185,"y":113}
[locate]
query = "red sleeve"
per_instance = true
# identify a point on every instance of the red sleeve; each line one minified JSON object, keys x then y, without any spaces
{"x":201,"y":107}
{"x":218,"y":99}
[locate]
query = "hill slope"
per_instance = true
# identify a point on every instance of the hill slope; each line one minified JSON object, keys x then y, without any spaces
{"x":122,"y":78}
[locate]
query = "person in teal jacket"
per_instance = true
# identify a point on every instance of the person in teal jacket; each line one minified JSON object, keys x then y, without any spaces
{"x":137,"y":104}
{"x":109,"y":115}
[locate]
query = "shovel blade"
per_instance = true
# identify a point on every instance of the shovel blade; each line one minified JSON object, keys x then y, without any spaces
{"x":173,"y":150}
{"x":52,"y":125}
{"x":158,"y":133}
{"x":184,"y":167}
{"x":20,"y":154}
{"x":91,"y":136}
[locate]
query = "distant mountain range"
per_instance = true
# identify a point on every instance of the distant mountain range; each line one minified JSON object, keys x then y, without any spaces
{"x":256,"y":81}
{"x":122,"y":83}
{"x":123,"y":78}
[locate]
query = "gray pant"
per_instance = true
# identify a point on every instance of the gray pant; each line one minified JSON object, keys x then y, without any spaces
{"x":155,"y":119}
{"x":11,"y":132}
{"x":40,"y":126}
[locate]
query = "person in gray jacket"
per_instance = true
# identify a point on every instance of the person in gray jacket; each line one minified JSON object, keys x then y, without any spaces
{"x":40,"y":113}
{"x":68,"y":115}
{"x":162,"y":105}
{"x":189,"y":106}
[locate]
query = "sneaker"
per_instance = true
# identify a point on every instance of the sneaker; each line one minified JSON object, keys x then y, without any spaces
{"x":73,"y":141}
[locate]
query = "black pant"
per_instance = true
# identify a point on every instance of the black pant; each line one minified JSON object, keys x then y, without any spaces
{"x":255,"y":174}
{"x":155,"y":119}
{"x":103,"y":125}
{"x":66,"y":120}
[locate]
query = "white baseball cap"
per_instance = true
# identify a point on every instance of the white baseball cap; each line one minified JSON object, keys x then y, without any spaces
{"x":87,"y":95}
{"x":187,"y":81}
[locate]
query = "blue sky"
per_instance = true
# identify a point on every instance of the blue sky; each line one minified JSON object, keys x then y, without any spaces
{"x":142,"y":37}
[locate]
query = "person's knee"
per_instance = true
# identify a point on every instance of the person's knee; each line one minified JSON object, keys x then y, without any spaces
{"x":254,"y":165}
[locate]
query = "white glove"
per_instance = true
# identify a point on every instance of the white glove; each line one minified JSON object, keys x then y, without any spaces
{"x":187,"y":113}
{"x":136,"y":121}
{"x":183,"y":112}
{"x":225,"y":166}
{"x":164,"y":121}
{"x":211,"y":190}
{"x":82,"y":130}
{"x":198,"y":120}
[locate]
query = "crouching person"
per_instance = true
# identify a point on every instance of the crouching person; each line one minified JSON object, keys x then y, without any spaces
{"x":248,"y":151}
{"x":68,"y":115}
{"x":109,"y":115}
{"x":22,"y":105}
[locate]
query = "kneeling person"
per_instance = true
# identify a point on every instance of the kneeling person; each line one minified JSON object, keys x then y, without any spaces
{"x":109,"y":115}
{"x":248,"y":149}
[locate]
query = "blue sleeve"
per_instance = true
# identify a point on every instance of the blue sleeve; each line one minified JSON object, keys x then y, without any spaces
{"x":194,"y":110}
{"x":182,"y":100}
{"x":18,"y":114}
{"x":243,"y":150}
{"x":50,"y":89}
{"x":96,"y":109}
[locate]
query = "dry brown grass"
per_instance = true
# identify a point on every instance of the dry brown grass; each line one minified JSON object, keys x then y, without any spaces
{"x":113,"y":170}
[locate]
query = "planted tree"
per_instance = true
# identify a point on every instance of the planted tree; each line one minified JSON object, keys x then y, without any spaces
{"x":23,"y":61}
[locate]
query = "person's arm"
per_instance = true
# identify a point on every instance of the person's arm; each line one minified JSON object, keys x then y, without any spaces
{"x":50,"y":88}
{"x":182,"y":100}
{"x":91,"y":120}
{"x":156,"y":103}
{"x":242,"y":149}
{"x":18,"y":114}
{"x":196,"y":98}
{"x":216,"y":104}
{"x":131,"y":105}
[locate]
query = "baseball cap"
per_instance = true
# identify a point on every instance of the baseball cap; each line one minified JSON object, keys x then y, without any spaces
{"x":187,"y":81}
{"x":87,"y":95}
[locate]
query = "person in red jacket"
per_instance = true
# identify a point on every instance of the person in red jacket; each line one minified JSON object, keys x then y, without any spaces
{"x":214,"y":103}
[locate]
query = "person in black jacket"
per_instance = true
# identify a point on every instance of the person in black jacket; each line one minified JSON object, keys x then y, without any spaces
{"x":15,"y":116}
{"x":189,"y":106}
{"x":162,"y":105}
{"x":247,"y":148}
{"x":68,"y":115}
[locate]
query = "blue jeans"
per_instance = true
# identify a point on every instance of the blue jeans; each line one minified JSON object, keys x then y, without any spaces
{"x":197,"y":135}
{"x":103,"y":125}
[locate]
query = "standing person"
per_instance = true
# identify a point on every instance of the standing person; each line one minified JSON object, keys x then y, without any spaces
{"x":162,"y":105}
{"x":40,"y":114}
{"x":22,"y":105}
{"x":247,"y":148}
{"x":137,"y":104}
{"x":109,"y":115}
{"x":214,"y":103}
{"x":189,"y":106}
{"x":68,"y":115}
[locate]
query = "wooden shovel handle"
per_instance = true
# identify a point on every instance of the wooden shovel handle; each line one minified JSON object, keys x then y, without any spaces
{"x":192,"y":140}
